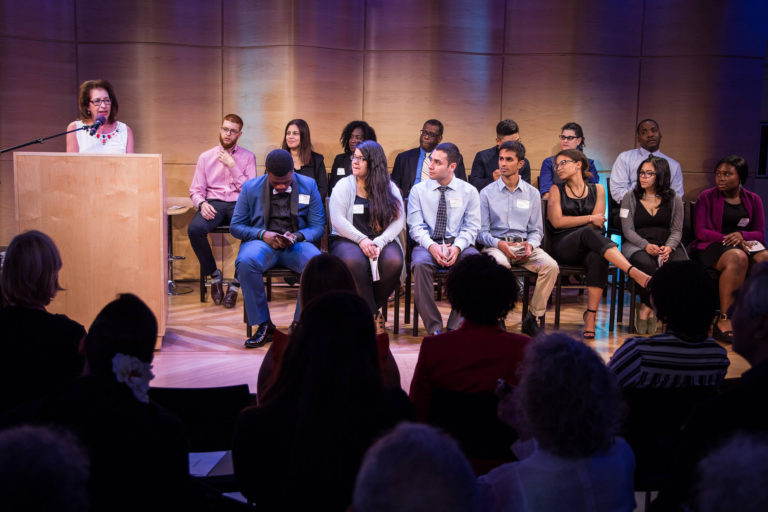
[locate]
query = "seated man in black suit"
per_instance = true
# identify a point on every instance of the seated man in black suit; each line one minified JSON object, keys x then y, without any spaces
{"x":412,"y":166}
{"x":485,"y":168}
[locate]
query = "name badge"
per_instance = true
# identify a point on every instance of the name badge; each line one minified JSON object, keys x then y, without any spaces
{"x":303,"y":198}
{"x":358,"y":209}
{"x":523,"y":204}
{"x":454,"y":202}
{"x":743,"y":222}
{"x":340,"y":171}
{"x":624,"y":213}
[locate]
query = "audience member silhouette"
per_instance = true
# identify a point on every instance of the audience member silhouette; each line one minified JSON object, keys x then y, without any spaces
{"x":569,"y":403}
{"x":41,"y":350}
{"x":302,"y":447}
{"x":415,"y":468}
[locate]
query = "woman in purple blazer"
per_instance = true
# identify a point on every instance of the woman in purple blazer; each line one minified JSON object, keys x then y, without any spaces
{"x":730,"y":233}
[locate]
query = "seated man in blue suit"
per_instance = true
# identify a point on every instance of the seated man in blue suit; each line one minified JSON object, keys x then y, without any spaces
{"x":412,"y":166}
{"x":277,"y":216}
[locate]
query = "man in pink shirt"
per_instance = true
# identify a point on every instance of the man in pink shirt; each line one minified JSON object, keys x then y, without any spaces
{"x":219,"y":175}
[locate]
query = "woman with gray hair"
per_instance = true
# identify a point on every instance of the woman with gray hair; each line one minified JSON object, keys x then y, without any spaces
{"x":568,"y":402}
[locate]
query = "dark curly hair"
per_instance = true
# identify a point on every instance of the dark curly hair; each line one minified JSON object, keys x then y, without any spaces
{"x":481,"y":290}
{"x":663,"y":179}
{"x":346,"y":134}
{"x":567,"y":398}
{"x":685,"y":297}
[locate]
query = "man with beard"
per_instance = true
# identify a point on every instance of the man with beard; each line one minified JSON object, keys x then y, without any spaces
{"x":219,"y":175}
{"x":624,"y":170}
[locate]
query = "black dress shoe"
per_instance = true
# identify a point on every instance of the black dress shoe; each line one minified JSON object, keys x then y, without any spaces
{"x":530,"y":325}
{"x":261,"y":337}
{"x":217,"y":292}
{"x":231,"y":297}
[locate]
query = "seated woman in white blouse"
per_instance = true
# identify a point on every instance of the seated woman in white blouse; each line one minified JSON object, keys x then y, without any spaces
{"x":97,"y":98}
{"x":367,"y":216}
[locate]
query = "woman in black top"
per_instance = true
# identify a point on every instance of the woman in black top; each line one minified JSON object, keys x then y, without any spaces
{"x":305,"y":161}
{"x":353,"y":134}
{"x":652,"y":224}
{"x":576,"y":214}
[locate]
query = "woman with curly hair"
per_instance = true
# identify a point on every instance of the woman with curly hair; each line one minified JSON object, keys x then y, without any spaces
{"x":652,"y":224}
{"x":569,"y":403}
{"x":353,"y":134}
{"x":367,"y":216}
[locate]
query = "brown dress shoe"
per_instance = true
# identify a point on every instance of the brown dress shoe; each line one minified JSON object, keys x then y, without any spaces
{"x":217,"y":292}
{"x":231,"y":297}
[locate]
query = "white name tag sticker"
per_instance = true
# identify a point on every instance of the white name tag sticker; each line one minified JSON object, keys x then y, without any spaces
{"x":358,"y":209}
{"x":523,"y":204}
{"x":340,"y":171}
{"x":454,"y":202}
{"x":743,"y":222}
{"x":303,"y":198}
{"x":624,"y":213}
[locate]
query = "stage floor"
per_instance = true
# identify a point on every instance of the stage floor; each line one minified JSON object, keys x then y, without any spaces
{"x":203,"y":344}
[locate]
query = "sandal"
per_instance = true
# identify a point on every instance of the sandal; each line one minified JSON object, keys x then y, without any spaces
{"x":588,"y":335}
{"x":629,"y":270}
{"x":719,"y":335}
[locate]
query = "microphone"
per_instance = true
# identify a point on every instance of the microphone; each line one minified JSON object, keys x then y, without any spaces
{"x":95,"y":126}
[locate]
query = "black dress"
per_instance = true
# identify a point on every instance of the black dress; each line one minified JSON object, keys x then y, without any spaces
{"x":315,"y":169}
{"x":581,"y":245}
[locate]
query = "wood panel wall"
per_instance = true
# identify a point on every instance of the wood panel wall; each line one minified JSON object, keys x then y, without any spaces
{"x":179,"y":66}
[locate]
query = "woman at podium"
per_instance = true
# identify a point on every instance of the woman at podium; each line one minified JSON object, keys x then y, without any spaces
{"x":98,"y":105}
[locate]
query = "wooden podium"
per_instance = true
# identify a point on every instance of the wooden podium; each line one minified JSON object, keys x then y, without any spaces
{"x":106,"y":214}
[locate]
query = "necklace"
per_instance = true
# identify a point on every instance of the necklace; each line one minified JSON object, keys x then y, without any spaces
{"x":575,"y":195}
{"x":104,"y":137}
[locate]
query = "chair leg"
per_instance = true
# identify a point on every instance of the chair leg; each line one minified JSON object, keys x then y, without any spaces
{"x":202,"y":287}
{"x":248,"y":328}
{"x":396,"y":327}
{"x":612,"y":319}
{"x":415,"y":319}
{"x":526,"y":291}
{"x":632,"y":306}
{"x":558,"y":291}
{"x":621,"y":297}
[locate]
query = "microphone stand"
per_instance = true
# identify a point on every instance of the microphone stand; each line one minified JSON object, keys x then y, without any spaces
{"x":40,"y":141}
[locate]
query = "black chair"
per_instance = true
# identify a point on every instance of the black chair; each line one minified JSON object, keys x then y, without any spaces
{"x":472,"y":420}
{"x":653,"y":429}
{"x":221,"y":230}
{"x":208,"y":413}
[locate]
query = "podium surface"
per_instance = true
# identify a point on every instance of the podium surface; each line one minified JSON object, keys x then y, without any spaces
{"x":106,"y":214}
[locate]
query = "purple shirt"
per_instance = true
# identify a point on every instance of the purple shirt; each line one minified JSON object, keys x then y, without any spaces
{"x":214,"y":180}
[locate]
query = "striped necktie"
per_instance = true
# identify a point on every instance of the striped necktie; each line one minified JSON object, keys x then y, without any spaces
{"x":425,"y":168}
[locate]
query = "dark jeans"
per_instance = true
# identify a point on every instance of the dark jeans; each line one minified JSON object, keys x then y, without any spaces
{"x":199,"y":229}
{"x":390,"y":267}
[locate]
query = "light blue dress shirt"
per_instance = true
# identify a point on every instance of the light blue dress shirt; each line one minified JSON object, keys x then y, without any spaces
{"x":419,"y":164}
{"x":510,"y":213}
{"x":463,"y":202}
{"x":624,"y":172}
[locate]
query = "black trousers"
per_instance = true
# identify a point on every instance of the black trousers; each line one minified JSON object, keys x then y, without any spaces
{"x":585,"y":246}
{"x":199,"y":229}
{"x":650,"y":264}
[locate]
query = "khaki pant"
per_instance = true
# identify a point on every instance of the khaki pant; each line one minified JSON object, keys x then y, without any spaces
{"x":541,"y":264}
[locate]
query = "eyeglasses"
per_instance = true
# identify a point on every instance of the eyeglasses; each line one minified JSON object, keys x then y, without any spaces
{"x":569,"y":138}
{"x":563,"y":162}
{"x":431,"y":135}
{"x":99,"y":101}
{"x":229,"y":131}
{"x":646,"y":174}
{"x":356,"y":158}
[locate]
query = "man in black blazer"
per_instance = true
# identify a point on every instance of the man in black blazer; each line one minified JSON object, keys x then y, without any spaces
{"x":410,"y":164}
{"x":485,"y":168}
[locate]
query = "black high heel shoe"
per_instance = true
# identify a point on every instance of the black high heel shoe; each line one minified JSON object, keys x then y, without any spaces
{"x":588,"y":335}
{"x":719,"y":335}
